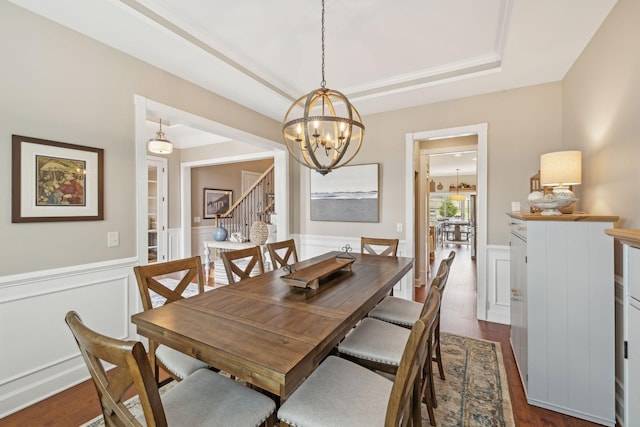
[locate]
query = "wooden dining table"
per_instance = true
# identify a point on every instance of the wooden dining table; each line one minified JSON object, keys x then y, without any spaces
{"x":267,"y":332}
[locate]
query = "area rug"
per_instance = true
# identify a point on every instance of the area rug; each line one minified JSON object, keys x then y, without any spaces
{"x":474,"y":394}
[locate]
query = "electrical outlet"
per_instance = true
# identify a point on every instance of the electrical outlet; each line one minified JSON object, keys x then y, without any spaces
{"x":113,"y":239}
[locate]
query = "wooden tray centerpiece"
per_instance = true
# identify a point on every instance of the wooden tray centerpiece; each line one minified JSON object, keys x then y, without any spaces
{"x":312,"y":276}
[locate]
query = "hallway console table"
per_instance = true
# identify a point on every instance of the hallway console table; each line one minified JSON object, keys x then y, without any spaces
{"x":562,"y":313}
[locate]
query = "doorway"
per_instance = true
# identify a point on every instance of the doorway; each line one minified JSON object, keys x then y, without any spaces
{"x":263,"y":148}
{"x":412,"y":164}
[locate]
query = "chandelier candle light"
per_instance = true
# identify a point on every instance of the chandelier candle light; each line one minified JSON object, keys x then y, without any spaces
{"x":322,"y":130}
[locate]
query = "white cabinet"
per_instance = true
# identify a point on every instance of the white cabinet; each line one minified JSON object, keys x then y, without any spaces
{"x":631,"y":323}
{"x":562,"y":312}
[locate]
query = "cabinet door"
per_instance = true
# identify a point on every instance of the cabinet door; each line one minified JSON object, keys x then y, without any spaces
{"x":632,"y":336}
{"x":518,"y":306}
{"x":632,"y":380}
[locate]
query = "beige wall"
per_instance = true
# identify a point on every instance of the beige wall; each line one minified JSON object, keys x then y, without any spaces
{"x":601,"y":116}
{"x":522,"y":125}
{"x":223,"y":177}
{"x":59,"y":85}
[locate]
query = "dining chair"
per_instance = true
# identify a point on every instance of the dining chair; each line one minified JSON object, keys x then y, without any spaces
{"x":156,"y":290}
{"x":375,"y":246}
{"x":242,"y":263}
{"x":403,"y":312}
{"x":282,"y":253}
{"x":202,"y":398}
{"x":378,"y":345}
{"x":342,"y":393}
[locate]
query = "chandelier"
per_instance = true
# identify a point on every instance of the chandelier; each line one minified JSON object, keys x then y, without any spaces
{"x":322,"y":130}
{"x":458,"y":197}
{"x":160,"y":144}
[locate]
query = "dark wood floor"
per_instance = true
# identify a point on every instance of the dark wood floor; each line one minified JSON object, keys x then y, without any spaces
{"x":79,"y":404}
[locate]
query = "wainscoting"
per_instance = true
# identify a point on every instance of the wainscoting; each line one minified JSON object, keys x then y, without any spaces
{"x":39,"y":356}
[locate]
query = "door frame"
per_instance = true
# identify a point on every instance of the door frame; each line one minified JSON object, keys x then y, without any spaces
{"x":265,"y":148}
{"x":412,"y":157}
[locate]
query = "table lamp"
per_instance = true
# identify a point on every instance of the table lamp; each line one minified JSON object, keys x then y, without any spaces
{"x":560,"y":170}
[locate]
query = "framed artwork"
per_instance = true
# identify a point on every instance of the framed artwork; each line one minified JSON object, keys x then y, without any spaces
{"x":216,"y":202}
{"x":348,"y":194}
{"x":55,"y":181}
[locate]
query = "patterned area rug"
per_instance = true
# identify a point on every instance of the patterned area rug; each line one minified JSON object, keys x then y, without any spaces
{"x":474,"y":394}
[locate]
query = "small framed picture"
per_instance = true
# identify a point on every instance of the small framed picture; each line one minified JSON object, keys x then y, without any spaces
{"x":55,"y":181}
{"x":216,"y":202}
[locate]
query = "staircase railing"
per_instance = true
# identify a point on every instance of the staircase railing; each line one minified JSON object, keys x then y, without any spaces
{"x":256,"y":204}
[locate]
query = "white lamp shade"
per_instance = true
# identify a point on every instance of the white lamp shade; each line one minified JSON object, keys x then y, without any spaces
{"x":159,"y":146}
{"x":561,"y":168}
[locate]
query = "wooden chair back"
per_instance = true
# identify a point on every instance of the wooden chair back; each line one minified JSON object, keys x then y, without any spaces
{"x":406,"y":393}
{"x":443,"y":272}
{"x":183,"y":270}
{"x":149,"y":278}
{"x":442,"y":283}
{"x":283,"y":253}
{"x":375,"y":246}
{"x":133,"y":370}
{"x":234,"y":260}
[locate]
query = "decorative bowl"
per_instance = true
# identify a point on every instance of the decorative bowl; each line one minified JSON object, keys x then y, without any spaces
{"x":551,"y":206}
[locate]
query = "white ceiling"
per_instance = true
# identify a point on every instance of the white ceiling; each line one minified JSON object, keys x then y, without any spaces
{"x":446,"y":164}
{"x":384,"y":55}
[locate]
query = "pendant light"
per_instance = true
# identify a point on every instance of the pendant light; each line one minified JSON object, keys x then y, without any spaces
{"x":160,"y":144}
{"x":458,"y":197}
{"x":322,"y":130}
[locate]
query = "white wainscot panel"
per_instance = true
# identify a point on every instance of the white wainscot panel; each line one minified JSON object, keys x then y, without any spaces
{"x":309,"y":246}
{"x":39,"y":356}
{"x":498,"y":284}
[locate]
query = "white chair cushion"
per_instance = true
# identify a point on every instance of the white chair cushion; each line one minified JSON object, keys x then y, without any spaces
{"x":206,"y":398}
{"x":376,"y":340}
{"x":338,"y":393}
{"x":180,"y":364}
{"x":397,"y":310}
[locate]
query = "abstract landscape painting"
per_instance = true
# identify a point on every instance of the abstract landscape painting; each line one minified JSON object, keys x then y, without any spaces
{"x":349,"y":194}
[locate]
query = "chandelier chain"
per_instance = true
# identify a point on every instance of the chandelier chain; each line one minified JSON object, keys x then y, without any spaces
{"x":323,"y":83}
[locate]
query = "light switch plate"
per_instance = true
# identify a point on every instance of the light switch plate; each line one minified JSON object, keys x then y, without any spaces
{"x":113,"y":239}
